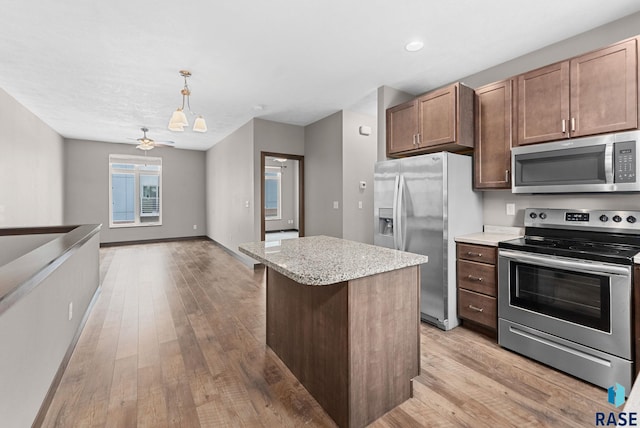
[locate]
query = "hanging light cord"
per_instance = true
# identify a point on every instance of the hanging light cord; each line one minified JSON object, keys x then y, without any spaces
{"x":186,"y":92}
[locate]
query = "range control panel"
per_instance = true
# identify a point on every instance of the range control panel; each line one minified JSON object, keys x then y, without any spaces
{"x":625,"y":162}
{"x":583,"y":219}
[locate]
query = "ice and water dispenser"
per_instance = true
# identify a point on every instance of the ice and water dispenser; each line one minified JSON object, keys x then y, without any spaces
{"x":385,"y":222}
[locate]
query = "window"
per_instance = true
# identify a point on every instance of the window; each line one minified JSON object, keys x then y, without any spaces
{"x":135,"y":191}
{"x":272,"y":176}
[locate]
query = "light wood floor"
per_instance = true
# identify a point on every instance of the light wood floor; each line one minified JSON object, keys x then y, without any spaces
{"x":177,"y":338}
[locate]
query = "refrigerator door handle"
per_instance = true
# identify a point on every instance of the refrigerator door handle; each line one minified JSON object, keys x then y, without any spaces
{"x":395,"y":213}
{"x":401,"y":237}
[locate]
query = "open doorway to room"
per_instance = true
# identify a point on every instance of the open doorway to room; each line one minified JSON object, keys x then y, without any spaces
{"x":282,"y":196}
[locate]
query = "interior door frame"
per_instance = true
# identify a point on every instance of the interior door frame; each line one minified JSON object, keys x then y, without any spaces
{"x":300,"y":159}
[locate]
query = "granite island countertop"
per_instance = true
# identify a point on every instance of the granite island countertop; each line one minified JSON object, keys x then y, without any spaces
{"x":324,"y":260}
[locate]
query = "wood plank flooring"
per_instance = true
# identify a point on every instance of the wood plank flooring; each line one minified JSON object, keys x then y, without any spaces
{"x":177,"y":338}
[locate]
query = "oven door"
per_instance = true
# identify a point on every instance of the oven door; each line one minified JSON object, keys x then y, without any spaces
{"x":580,"y":300}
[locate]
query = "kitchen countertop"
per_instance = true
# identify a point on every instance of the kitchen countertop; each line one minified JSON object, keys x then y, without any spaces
{"x":323,"y":260}
{"x":633,"y":402}
{"x":491,"y":236}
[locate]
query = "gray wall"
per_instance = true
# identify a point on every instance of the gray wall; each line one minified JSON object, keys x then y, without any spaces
{"x":233,"y":179}
{"x":273,"y":137}
{"x":337,"y":158}
{"x":323,"y":176}
{"x":230,"y":191}
{"x":87,"y":190}
{"x":36,"y":334}
{"x":31,"y":168}
{"x":359,"y":154}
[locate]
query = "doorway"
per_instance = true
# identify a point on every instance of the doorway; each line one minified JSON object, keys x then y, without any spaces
{"x":281,"y":196}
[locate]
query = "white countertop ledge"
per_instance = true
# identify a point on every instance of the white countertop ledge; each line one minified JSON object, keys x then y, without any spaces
{"x":323,"y":260}
{"x":491,"y":236}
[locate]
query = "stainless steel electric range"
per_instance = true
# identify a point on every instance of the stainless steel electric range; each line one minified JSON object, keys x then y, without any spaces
{"x":564,"y":292}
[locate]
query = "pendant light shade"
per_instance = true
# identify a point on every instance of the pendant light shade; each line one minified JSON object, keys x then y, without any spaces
{"x":200,"y":125}
{"x":179,"y":119}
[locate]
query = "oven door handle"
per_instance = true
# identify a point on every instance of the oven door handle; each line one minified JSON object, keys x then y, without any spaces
{"x":575,"y":265}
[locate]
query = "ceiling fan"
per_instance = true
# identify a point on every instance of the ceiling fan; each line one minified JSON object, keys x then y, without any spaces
{"x":145,"y":143}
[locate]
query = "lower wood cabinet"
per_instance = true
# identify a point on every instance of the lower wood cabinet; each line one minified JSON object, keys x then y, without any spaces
{"x":478,"y":308}
{"x":478,"y":287}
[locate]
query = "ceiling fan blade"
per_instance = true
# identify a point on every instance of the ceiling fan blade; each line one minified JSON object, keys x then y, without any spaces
{"x":164,"y":144}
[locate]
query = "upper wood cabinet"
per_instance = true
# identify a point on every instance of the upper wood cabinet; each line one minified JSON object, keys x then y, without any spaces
{"x":590,"y":94}
{"x":604,"y":90}
{"x":402,"y":125}
{"x":441,"y":120}
{"x":494,"y":127}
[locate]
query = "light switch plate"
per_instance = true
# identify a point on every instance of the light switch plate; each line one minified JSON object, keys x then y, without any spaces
{"x":336,"y":205}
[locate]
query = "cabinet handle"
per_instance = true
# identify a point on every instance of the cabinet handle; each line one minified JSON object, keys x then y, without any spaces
{"x":419,"y":138}
{"x":564,"y":126}
{"x":474,"y":278}
{"x":415,"y":139}
{"x":573,"y":124}
{"x":506,"y":175}
{"x":474,"y":308}
{"x":469,"y":253}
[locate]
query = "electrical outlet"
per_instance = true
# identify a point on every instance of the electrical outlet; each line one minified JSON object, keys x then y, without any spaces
{"x":195,"y":227}
{"x":246,"y":204}
{"x":360,"y":204}
{"x":336,"y":205}
{"x":70,"y":310}
{"x":511,"y":209}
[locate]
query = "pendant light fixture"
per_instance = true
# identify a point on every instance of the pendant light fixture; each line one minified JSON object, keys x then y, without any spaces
{"x":178,"y":119}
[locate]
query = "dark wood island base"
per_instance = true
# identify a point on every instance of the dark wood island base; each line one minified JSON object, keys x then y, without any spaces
{"x":354,"y":345}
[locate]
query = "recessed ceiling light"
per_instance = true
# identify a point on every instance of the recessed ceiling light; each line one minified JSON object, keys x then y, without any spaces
{"x":414,"y":46}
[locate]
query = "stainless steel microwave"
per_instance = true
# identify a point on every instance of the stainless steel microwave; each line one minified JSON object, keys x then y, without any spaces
{"x":605,"y":163}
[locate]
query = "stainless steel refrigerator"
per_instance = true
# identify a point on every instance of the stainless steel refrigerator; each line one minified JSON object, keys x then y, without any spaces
{"x":421,"y":204}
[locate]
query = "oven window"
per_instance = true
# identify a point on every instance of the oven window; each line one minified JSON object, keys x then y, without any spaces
{"x":578,"y":297}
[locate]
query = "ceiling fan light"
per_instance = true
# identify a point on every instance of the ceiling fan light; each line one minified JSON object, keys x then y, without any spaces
{"x":200,"y":125}
{"x":179,"y":118}
{"x":144,"y":147}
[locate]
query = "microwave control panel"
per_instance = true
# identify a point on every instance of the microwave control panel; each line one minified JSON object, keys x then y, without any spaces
{"x":625,"y":162}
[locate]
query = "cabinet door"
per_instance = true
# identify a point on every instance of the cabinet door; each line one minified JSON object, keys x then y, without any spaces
{"x":543,"y":104}
{"x":401,"y":127}
{"x":437,"y":117}
{"x":494,"y":132}
{"x":604,"y":92}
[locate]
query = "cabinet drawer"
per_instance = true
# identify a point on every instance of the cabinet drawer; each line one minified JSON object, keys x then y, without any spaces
{"x":478,"y":308}
{"x":478,"y":277}
{"x":477,"y":253}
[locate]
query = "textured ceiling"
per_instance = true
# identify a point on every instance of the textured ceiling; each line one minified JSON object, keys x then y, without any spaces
{"x":100,"y":70}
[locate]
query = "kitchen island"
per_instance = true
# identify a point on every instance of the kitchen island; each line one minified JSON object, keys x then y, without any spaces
{"x":344,"y":317}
